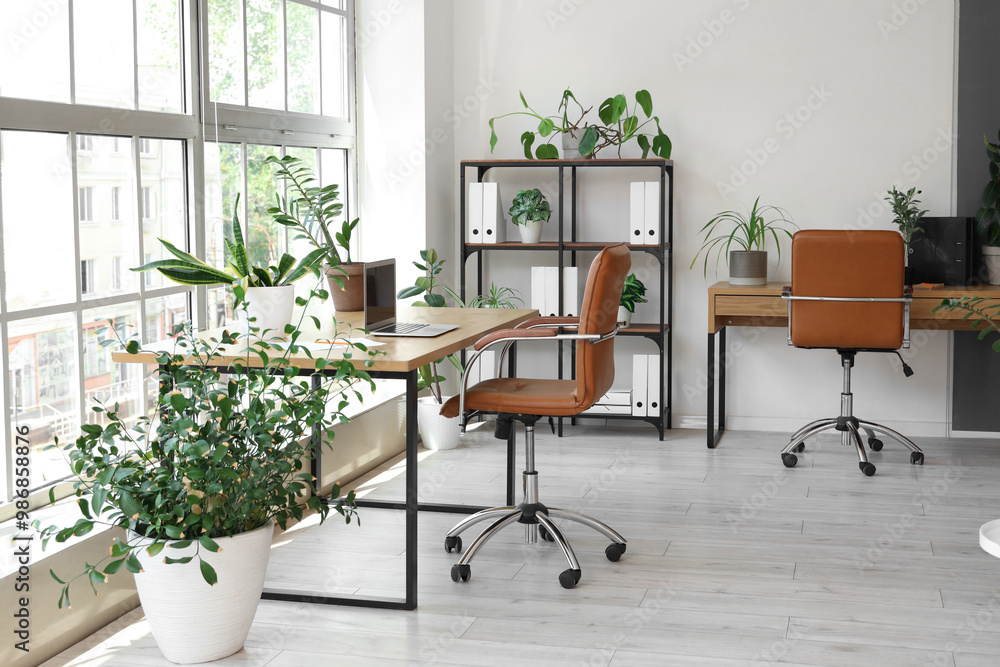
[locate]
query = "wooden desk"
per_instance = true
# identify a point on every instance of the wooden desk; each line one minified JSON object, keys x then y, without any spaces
{"x":762,"y":306}
{"x":401,"y":359}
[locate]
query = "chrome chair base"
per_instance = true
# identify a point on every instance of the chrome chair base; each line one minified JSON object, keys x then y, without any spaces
{"x":537,"y":518}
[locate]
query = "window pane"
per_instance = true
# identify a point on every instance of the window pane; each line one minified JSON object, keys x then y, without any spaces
{"x":220,"y":307}
{"x":105,"y":176}
{"x":104,"y":381}
{"x":162,"y":200}
{"x":39,"y":35}
{"x":265,"y":238}
{"x":44,"y":386}
{"x":103,"y":61}
{"x":265,"y":65}
{"x":303,"y":58}
{"x":161,"y":84}
{"x":223,"y":181}
{"x":336,"y":4}
{"x":334,"y":65}
{"x":225,"y":44}
{"x":37,"y":201}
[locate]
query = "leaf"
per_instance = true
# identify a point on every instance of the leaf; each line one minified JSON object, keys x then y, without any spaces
{"x":171,"y":561}
{"x":412,"y":290}
{"x":435,"y":300}
{"x":132,"y":564}
{"x":208,"y":572}
{"x":547,"y":152}
{"x":209,"y":543}
{"x":527,"y":139}
{"x":588,"y":141}
{"x":113,"y":566}
{"x":662,"y":146}
{"x":645,"y":101}
{"x":155,"y":548}
{"x":546,"y":127}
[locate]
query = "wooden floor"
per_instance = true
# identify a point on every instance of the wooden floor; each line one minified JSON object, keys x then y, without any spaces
{"x":732,"y":560}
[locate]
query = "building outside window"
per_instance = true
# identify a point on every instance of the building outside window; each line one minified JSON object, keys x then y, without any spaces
{"x":86,"y":204}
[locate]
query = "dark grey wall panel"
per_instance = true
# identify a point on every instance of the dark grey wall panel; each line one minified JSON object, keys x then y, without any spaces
{"x":976,"y":391}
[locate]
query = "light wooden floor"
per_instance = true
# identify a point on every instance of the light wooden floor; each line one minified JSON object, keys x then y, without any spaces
{"x":732,"y":560}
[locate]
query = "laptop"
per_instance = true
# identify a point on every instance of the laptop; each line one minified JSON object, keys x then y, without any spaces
{"x":380,"y":305}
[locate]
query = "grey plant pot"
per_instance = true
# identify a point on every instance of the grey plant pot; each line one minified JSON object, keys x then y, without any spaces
{"x":747,"y":267}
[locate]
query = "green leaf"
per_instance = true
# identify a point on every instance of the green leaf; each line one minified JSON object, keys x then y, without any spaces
{"x":208,"y":572}
{"x":547,"y":152}
{"x":527,"y":140}
{"x":155,"y":548}
{"x":662,"y":146}
{"x":588,"y":141}
{"x":209,"y":544}
{"x":114,"y":566}
{"x":132,"y":564}
{"x":546,"y":127}
{"x":171,"y":561}
{"x":645,"y":101}
{"x":435,"y":300}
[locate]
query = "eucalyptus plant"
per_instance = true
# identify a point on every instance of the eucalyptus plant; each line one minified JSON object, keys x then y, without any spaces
{"x":529,"y":206}
{"x":988,"y":216}
{"x":906,"y":214}
{"x":219,"y":453}
{"x":633,"y":292}
{"x":732,"y":230}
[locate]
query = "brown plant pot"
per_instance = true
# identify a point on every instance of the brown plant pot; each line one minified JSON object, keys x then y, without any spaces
{"x":352,"y":297}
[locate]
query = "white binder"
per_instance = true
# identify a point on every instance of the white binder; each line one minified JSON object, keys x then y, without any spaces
{"x":651,"y":213}
{"x":475,"y":228}
{"x":487,"y":365}
{"x":494,"y":223}
{"x":653,"y":408}
{"x":571,"y":305}
{"x":636,"y":213}
{"x":538,"y":289}
{"x":640,"y":370}
{"x":551,"y":291}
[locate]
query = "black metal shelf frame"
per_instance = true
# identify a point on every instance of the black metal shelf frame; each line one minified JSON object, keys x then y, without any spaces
{"x":663,"y":338}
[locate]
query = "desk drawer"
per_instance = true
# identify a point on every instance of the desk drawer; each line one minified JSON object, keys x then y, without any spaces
{"x":765,"y":307}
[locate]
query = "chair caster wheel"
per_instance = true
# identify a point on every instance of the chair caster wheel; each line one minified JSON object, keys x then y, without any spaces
{"x":460,"y":572}
{"x":789,"y":460}
{"x":453,"y":544}
{"x":801,"y":447}
{"x":867,"y":468}
{"x":614,"y":551}
{"x":545,"y":534}
{"x":917,"y":458}
{"x":875,"y":444}
{"x":567,"y":578}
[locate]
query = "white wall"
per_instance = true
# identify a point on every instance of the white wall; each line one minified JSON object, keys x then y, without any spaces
{"x":871,"y":85}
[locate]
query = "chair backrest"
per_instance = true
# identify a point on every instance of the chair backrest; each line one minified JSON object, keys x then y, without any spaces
{"x":845,"y":263}
{"x":595,"y":364}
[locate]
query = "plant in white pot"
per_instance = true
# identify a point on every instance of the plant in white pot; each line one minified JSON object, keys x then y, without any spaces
{"x":988,"y":217}
{"x":908,"y":217}
{"x":199,"y":481}
{"x":529,"y":211}
{"x":267,"y":292}
{"x":311,"y":210}
{"x":633,"y":292}
{"x":436,"y":431}
{"x":742,"y":239}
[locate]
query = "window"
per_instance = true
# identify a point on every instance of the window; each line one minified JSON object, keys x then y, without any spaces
{"x":120,"y":65}
{"x":86,"y":203}
{"x":88,"y":277}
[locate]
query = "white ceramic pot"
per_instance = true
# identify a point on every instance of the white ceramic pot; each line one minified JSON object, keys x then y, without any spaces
{"x":991,"y":257}
{"x":437,"y":432}
{"x":192,"y":621}
{"x":271,"y":307}
{"x":624,"y":316}
{"x":531,"y":232}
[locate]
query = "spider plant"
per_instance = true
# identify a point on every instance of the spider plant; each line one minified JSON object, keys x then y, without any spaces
{"x":498,"y":297}
{"x":733,"y":230}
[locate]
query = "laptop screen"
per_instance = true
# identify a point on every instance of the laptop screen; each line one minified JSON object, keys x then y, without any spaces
{"x":380,"y":293}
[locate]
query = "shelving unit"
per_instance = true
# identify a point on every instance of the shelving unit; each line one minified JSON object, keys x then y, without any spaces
{"x":568,"y":245}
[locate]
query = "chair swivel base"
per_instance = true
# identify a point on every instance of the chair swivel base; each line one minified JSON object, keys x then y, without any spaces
{"x":850,"y":428}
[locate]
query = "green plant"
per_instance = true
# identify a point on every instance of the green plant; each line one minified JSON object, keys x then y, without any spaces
{"x":621,"y":125}
{"x":498,"y":297}
{"x":528,"y":206}
{"x":187,"y":269}
{"x":988,"y":217}
{"x":749,"y":232}
{"x":219,"y":453}
{"x":548,"y":126}
{"x":427,"y":375}
{"x":980,"y":309}
{"x":906,"y":214}
{"x":633,"y":292}
{"x":320,"y":207}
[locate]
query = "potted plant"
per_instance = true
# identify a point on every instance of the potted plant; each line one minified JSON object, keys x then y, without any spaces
{"x":987,"y":217}
{"x":548,"y":128}
{"x":744,"y":244}
{"x":436,"y":431}
{"x":529,"y":211}
{"x":310,"y":210}
{"x":497,"y":297}
{"x":267,"y":291}
{"x":633,"y":292}
{"x":907,"y":216}
{"x":199,"y":481}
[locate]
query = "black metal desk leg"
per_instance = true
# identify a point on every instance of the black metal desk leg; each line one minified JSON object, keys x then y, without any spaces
{"x":411,"y":490}
{"x":713,"y":435}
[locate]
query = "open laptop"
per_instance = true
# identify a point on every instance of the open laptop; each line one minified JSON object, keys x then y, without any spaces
{"x":380,"y":305}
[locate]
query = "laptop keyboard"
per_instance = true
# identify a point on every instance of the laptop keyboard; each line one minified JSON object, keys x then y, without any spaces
{"x":402,"y":327}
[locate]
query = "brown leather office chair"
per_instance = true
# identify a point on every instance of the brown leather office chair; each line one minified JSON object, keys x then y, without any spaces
{"x":847,"y":294}
{"x":527,"y":400}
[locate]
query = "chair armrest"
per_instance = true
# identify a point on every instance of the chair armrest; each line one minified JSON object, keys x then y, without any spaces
{"x":549,"y":322}
{"x":513,"y":334}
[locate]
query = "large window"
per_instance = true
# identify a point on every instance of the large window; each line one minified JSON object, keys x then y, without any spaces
{"x":121,"y":143}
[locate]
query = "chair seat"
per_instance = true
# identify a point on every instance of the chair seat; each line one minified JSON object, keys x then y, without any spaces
{"x":555,"y":398}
